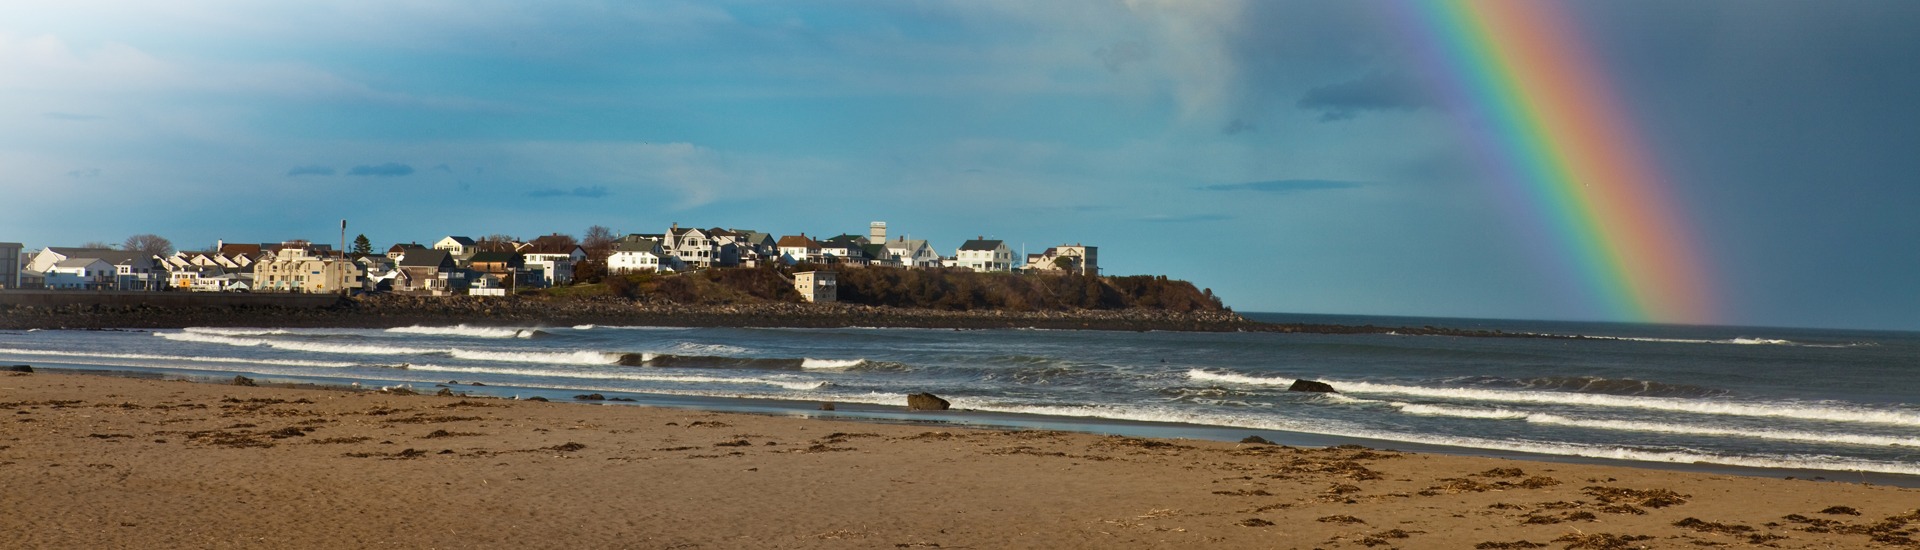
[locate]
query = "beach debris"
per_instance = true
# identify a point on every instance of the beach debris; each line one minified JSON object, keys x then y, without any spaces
{"x":1255,"y":522}
{"x":1341,"y":519}
{"x":1386,"y":537}
{"x":567,"y":447}
{"x":926,"y":402}
{"x":1255,"y":440}
{"x":1703,"y":526}
{"x":1501,"y":472}
{"x":1515,"y":545}
{"x":398,"y":390}
{"x":1311,"y":386}
{"x":1601,"y":541}
{"x":1651,"y":498}
{"x":444,"y":392}
{"x":826,"y":405}
{"x":536,"y":398}
{"x":19,"y":368}
{"x":590,"y":397}
{"x":1841,"y":510}
{"x":242,"y":380}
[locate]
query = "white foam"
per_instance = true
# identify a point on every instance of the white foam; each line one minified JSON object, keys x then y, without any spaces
{"x":1657,"y":427}
{"x":583,"y":327}
{"x":1796,"y":410}
{"x":723,"y":350}
{"x":811,"y":363}
{"x":1161,"y":414}
{"x":467,"y":331}
{"x":566,"y":358}
{"x":238,"y":331}
{"x":797,"y":385}
{"x":184,"y":358}
{"x":560,"y":358}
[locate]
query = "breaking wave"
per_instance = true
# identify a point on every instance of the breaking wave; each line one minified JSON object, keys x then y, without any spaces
{"x":797,"y":385}
{"x":1656,"y":427}
{"x":470,"y":331}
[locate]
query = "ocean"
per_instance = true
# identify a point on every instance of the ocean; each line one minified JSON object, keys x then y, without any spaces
{"x":1745,"y":399}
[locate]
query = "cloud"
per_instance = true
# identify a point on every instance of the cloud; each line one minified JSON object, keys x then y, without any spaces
{"x":591,"y":192}
{"x":1184,"y":218}
{"x":310,"y":171}
{"x":84,"y":173}
{"x":1374,"y":92}
{"x":388,"y":170}
{"x":1239,"y":125}
{"x":1123,"y":53}
{"x":1282,"y":186}
{"x":74,"y":117}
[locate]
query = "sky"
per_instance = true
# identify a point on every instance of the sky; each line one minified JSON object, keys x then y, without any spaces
{"x":1285,"y":154}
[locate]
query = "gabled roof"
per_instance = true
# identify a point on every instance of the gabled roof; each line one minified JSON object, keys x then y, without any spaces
{"x":426,"y":258}
{"x":874,"y":250}
{"x":909,"y":244}
{"x":718,"y":232}
{"x":77,"y":262}
{"x":650,"y":247}
{"x":403,"y":247}
{"x":550,"y":244}
{"x":238,"y":248}
{"x":981,"y":244}
{"x":798,"y":241}
{"x":845,"y":238}
{"x":464,"y":241}
{"x":492,"y":257}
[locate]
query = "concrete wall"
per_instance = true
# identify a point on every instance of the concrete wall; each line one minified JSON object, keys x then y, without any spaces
{"x":56,"y":298}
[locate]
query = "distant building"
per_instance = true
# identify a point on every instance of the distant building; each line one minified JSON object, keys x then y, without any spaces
{"x":428,"y":273}
{"x":1084,"y":260}
{"x":912,"y":253}
{"x":817,"y":286}
{"x":132,"y":270}
{"x":984,"y":254}
{"x":638,"y":256}
{"x":799,"y":248}
{"x":460,"y":247}
{"x":876,"y":232}
{"x":301,"y":270}
{"x":10,"y":263}
{"x":554,"y":257}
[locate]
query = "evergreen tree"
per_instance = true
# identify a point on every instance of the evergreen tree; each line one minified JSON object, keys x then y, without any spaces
{"x":361,"y":245}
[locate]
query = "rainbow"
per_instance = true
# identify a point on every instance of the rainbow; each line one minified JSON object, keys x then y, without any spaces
{"x":1565,"y":147}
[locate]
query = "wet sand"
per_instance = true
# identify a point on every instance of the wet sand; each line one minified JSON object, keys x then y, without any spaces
{"x":98,"y":461}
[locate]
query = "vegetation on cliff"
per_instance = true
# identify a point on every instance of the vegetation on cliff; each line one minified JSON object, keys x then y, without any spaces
{"x":936,"y":289}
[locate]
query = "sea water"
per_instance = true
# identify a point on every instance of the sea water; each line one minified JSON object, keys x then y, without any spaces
{"x":1770,"y":398}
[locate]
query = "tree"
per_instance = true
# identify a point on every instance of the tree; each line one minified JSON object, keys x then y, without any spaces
{"x":598,"y":242}
{"x":149,"y":244}
{"x":361,"y":245}
{"x":97,"y":244}
{"x":495,"y":243}
{"x":1065,"y":263}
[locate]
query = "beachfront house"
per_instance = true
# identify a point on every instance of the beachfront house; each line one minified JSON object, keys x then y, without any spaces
{"x":396,"y":251}
{"x":78,"y":274}
{"x":1073,"y":258}
{"x":701,"y":248}
{"x":553,"y":256}
{"x":816,"y":286}
{"x":983,"y":254}
{"x":305,"y":270}
{"x":506,"y":268}
{"x":460,"y":247}
{"x":429,"y":273}
{"x":907,"y":252}
{"x":638,"y":256}
{"x":799,"y":248}
{"x":131,"y":270}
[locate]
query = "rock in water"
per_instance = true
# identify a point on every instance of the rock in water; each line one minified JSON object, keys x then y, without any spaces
{"x":19,"y":368}
{"x":828,"y":405}
{"x":1309,"y":385}
{"x":926,"y":402}
{"x":242,"y":380}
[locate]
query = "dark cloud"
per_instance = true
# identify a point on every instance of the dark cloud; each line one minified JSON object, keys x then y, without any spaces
{"x":388,"y":170}
{"x":593,"y":192}
{"x":1185,"y":218}
{"x":1239,"y":125}
{"x":1282,"y":186}
{"x":310,"y":171}
{"x":84,"y":173}
{"x":1121,"y":54}
{"x":1374,"y":92}
{"x":76,"y":117}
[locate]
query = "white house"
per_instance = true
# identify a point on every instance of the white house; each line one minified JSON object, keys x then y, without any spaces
{"x":132,"y":270}
{"x":80,"y":274}
{"x":912,"y":253}
{"x":799,"y":248}
{"x":984,"y":254}
{"x":1084,"y":260}
{"x":638,"y":256}
{"x":554,"y":256}
{"x":458,"y":246}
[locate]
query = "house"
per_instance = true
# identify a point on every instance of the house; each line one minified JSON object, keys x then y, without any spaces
{"x":799,"y":248}
{"x":10,"y":265}
{"x":699,"y":248}
{"x":638,"y":256}
{"x":488,"y":284}
{"x":912,"y":253}
{"x":396,"y":251}
{"x":429,"y":273}
{"x":845,"y":249}
{"x":201,"y":271}
{"x":816,"y":286}
{"x":459,"y":246}
{"x":506,"y":268}
{"x":132,"y":270}
{"x":379,"y":272}
{"x":1074,"y":258}
{"x":984,"y":254}
{"x":79,"y":274}
{"x":554,"y":257}
{"x":305,"y":270}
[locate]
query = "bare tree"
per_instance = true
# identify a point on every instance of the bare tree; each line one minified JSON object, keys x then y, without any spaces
{"x":598,"y":242}
{"x":496,"y":243}
{"x":149,"y":244}
{"x":98,"y":244}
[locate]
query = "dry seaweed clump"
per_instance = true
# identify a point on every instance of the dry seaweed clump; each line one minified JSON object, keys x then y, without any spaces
{"x":1340,"y":519}
{"x":1502,"y":473}
{"x":1602,"y":541}
{"x":1712,"y":527}
{"x":1651,"y":498}
{"x":1515,"y":545}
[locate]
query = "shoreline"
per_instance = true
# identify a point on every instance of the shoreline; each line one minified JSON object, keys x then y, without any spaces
{"x":129,"y":462}
{"x":401,"y":311}
{"x":964,"y":418}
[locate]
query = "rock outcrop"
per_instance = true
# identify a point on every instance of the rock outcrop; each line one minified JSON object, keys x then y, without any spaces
{"x":926,"y":402}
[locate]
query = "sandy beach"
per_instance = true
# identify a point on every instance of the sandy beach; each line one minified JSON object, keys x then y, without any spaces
{"x":110,"y":462}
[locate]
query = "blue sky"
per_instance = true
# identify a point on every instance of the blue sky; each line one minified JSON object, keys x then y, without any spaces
{"x":1273,"y":151}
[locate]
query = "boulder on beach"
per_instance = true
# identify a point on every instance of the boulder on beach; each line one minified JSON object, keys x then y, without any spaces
{"x":242,"y":380}
{"x":926,"y":402}
{"x":828,"y":405}
{"x":1309,"y":385}
{"x":19,"y":368}
{"x":591,"y":397}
